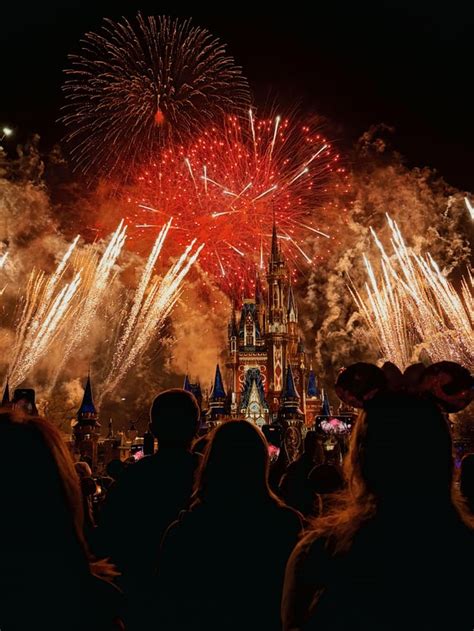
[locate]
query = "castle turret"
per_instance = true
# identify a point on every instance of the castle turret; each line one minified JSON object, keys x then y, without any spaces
{"x":277,"y":337}
{"x":326,"y":406}
{"x":313,"y":399}
{"x":217,"y":400}
{"x":290,"y":400}
{"x":87,"y":427}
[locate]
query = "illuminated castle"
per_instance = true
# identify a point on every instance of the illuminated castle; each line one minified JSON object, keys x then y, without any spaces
{"x":268,"y":376}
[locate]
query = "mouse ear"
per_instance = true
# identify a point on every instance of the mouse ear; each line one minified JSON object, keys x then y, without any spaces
{"x":450,"y":384}
{"x":393,"y":375}
{"x":413,"y":375}
{"x":359,"y":383}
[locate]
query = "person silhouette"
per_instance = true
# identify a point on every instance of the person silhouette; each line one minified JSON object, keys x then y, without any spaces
{"x":294,"y":488}
{"x":222,"y":563}
{"x":466,"y":481}
{"x":392,"y":555}
{"x":149,"y":495}
{"x":48,"y":578}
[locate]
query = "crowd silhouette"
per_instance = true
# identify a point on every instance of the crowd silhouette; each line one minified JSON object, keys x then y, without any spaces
{"x":195,"y":536}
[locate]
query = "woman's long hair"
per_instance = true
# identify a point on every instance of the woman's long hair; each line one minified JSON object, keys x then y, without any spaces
{"x":400,"y":453}
{"x":235,"y":466}
{"x":55,"y":445}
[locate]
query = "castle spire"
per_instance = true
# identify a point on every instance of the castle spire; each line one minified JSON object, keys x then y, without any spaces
{"x":186,"y":384}
{"x":218,"y":391}
{"x":217,"y":400}
{"x":292,"y":308}
{"x":313,"y":390}
{"x":289,"y":389}
{"x":87,"y":410}
{"x":326,"y":406}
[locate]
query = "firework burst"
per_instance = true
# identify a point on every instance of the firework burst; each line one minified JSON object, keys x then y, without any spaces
{"x":137,"y":84}
{"x":55,"y":310}
{"x":414,"y":309}
{"x":227,"y":187}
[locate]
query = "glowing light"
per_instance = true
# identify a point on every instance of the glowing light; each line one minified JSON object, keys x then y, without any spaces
{"x":469,"y":207}
{"x":413,"y":308}
{"x":138,"y":84}
{"x":227,"y":186}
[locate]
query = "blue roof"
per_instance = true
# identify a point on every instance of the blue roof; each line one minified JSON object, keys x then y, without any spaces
{"x":87,"y":405}
{"x":289,"y":390}
{"x":313,"y":390}
{"x":326,"y":407}
{"x":218,"y":391}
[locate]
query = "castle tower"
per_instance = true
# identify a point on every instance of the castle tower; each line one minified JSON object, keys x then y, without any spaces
{"x":292,"y":318}
{"x":290,"y":400}
{"x":195,"y":389}
{"x":217,"y":399}
{"x":313,"y":399}
{"x":277,"y":331}
{"x":86,"y":429}
{"x":260,"y":304}
{"x":232,"y":364}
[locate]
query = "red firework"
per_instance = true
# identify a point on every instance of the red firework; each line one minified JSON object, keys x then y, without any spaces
{"x":227,"y":187}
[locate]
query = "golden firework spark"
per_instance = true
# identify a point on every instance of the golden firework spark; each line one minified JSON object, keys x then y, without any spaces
{"x":413,"y":308}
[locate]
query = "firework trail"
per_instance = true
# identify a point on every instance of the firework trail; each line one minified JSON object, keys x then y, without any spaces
{"x":46,"y":308}
{"x":152,"y":303}
{"x":470,"y":207}
{"x":227,"y":187}
{"x":413,"y":308}
{"x":137,"y":84}
{"x":98,"y":275}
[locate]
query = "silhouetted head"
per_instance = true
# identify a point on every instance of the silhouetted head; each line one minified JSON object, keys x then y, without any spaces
{"x":174,"y":418}
{"x":312,"y":447}
{"x":467,"y":478}
{"x":115,"y":468}
{"x":400,"y":446}
{"x":235,"y":465}
{"x":46,"y":481}
{"x":326,"y":478}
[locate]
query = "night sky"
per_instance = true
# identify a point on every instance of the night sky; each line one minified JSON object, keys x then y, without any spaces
{"x":408,"y":65}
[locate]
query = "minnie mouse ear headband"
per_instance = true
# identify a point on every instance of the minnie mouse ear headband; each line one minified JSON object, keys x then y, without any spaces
{"x":448,"y":383}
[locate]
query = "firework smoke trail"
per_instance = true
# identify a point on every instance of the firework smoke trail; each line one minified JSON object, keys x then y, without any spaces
{"x":45,"y":311}
{"x":148,"y":313}
{"x":228,"y":184}
{"x":415,"y":308}
{"x":98,"y":275}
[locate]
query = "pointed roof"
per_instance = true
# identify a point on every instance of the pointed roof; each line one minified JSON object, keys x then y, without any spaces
{"x":275,"y":251}
{"x":258,"y":291}
{"x":233,"y":329}
{"x":6,"y":395}
{"x":187,"y":384}
{"x":218,"y":391}
{"x":87,"y":408}
{"x":326,"y":406}
{"x":292,"y":308}
{"x":289,"y":389}
{"x":313,"y":390}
